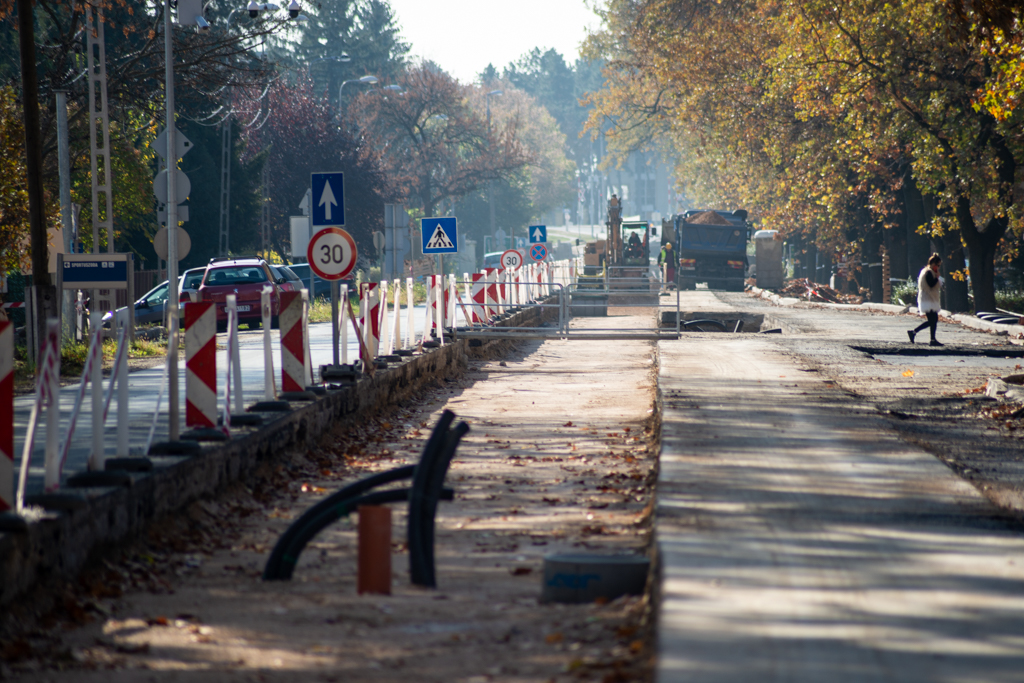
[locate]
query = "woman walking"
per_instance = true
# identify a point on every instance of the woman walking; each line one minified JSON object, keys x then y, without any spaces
{"x":929,"y":286}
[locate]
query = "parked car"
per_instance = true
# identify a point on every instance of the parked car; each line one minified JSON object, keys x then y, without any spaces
{"x":150,"y":308}
{"x":188,"y":284}
{"x":320,"y":286}
{"x":245,"y":278}
{"x":287,"y":279}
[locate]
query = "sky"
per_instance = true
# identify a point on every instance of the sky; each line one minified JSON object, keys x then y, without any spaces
{"x":464,"y":36}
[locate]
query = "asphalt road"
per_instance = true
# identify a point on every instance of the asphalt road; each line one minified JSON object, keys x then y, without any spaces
{"x":800,"y":538}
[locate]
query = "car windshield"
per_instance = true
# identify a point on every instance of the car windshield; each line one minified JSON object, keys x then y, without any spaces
{"x":234,"y":275}
{"x":157,"y":295}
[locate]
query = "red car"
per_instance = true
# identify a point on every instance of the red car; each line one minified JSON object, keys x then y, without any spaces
{"x":245,"y":278}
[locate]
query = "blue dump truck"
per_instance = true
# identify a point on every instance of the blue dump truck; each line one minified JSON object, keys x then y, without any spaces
{"x":712,"y":249}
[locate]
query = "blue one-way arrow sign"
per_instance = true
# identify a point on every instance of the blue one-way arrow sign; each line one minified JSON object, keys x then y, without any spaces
{"x":538,"y":233}
{"x":328,"y":199}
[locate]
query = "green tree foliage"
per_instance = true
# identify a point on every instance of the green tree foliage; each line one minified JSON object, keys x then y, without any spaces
{"x":819,"y":115}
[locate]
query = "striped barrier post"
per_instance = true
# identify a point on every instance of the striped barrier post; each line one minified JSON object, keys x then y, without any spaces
{"x":6,"y":415}
{"x":91,"y":372}
{"x":410,"y":297}
{"x":449,"y":304}
{"x":200,"y":364}
{"x":370,"y":311}
{"x":428,"y":320}
{"x":479,"y":298}
{"x":293,"y":346}
{"x":439,"y":300}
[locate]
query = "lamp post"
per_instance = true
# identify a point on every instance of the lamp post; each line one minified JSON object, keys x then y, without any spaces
{"x":365,"y":79}
{"x":490,"y":183}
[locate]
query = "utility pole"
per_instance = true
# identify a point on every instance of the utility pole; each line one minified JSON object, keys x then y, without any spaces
{"x":42,"y":299}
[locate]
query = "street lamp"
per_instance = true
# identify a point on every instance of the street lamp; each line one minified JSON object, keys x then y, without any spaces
{"x":370,"y":80}
{"x":490,"y":183}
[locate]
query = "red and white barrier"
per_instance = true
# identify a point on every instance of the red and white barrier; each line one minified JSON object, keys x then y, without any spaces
{"x":200,"y":364}
{"x":439,"y":303}
{"x":14,"y":304}
{"x":370,"y":312}
{"x":449,"y":303}
{"x":491,"y":292}
{"x":293,"y":345}
{"x":6,"y":415}
{"x":479,"y":298}
{"x":233,"y":378}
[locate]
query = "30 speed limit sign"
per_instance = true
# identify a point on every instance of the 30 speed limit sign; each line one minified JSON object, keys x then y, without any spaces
{"x":511,"y":259}
{"x":332,"y":253}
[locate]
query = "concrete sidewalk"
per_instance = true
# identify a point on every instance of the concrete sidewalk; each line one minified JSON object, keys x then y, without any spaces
{"x":801,"y":540}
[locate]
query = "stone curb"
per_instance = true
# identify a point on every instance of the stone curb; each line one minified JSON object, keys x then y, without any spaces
{"x":59,"y":544}
{"x":1015,"y":331}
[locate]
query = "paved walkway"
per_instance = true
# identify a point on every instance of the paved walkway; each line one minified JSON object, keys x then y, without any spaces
{"x":800,"y":540}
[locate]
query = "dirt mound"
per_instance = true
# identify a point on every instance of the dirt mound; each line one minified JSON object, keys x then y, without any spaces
{"x":708,"y":218}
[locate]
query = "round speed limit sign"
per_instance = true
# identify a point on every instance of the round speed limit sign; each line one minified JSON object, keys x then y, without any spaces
{"x":511,"y":259}
{"x":331,"y":253}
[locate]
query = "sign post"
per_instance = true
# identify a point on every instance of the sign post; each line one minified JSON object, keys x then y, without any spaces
{"x":332,"y":255}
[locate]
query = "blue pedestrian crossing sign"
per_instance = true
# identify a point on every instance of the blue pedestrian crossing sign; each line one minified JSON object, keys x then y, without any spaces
{"x":538,"y":234}
{"x":328,"y":194}
{"x":440,"y":235}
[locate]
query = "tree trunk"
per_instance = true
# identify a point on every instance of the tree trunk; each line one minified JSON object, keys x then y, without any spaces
{"x":983,"y":253}
{"x":951,"y":250}
{"x":917,"y":215}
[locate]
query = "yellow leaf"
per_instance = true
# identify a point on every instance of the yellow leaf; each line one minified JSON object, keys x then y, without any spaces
{"x":908,"y":373}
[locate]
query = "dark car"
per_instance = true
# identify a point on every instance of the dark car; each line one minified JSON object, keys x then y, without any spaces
{"x":287,"y":279}
{"x":320,"y":287}
{"x":245,"y":278}
{"x":149,"y":308}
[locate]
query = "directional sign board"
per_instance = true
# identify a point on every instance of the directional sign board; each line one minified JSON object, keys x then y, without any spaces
{"x":94,"y":271}
{"x":332,"y":253}
{"x":511,"y":260}
{"x":328,"y":199}
{"x":538,"y":252}
{"x":538,"y":233}
{"x":440,"y":235}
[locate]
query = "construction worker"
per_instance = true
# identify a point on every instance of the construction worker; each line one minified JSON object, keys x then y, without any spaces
{"x":667,"y":258}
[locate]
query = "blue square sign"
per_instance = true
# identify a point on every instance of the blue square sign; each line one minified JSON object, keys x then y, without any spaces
{"x":328,"y":195}
{"x":538,"y":234}
{"x":440,"y":235}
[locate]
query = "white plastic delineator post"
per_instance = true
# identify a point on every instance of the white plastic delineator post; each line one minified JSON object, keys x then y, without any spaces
{"x":307,"y":360}
{"x":439,"y":298}
{"x":6,"y":415}
{"x":50,"y":384}
{"x":428,"y":319}
{"x":384,"y":324}
{"x":47,"y":381}
{"x":122,"y":393}
{"x":343,"y":322}
{"x":410,"y":320}
{"x":89,"y":374}
{"x":201,"y":364}
{"x":449,"y":302}
{"x":233,"y":378}
{"x":266,"y":308}
{"x":396,"y":332}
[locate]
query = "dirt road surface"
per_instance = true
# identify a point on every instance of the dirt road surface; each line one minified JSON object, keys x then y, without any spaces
{"x":560,"y":457}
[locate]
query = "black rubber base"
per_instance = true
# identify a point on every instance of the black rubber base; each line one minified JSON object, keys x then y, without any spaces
{"x":269,"y":407}
{"x":297,"y":396}
{"x":60,"y":502}
{"x":130,"y":464}
{"x":177,"y":448}
{"x":207,"y":434}
{"x":105,"y":478}
{"x":12,"y":523}
{"x":246,"y":420}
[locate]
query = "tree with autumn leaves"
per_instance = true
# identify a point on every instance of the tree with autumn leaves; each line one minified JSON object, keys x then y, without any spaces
{"x":843,"y":122}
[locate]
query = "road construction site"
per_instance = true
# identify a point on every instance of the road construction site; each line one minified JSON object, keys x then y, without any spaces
{"x":828,"y":502}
